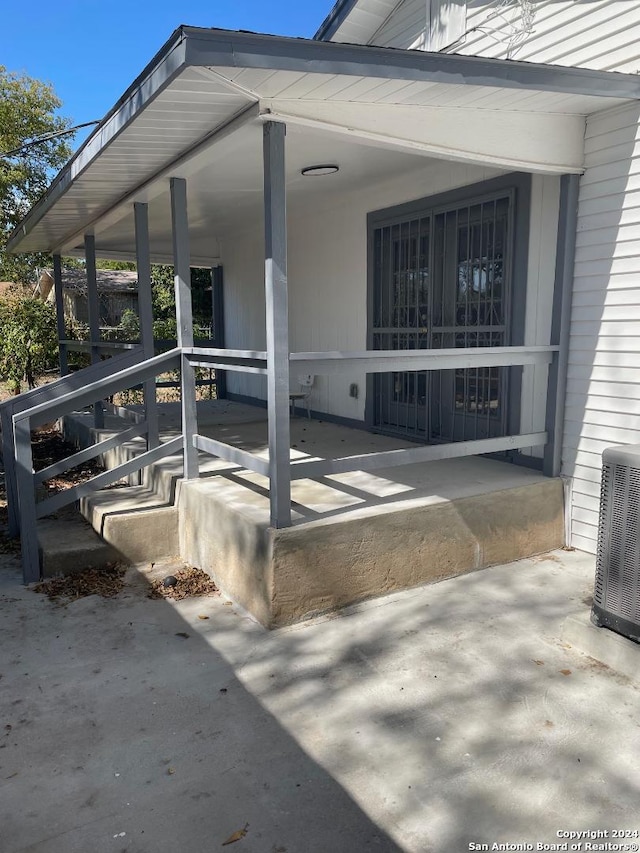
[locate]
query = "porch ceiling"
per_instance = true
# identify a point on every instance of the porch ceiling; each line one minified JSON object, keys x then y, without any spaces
{"x":196,"y":110}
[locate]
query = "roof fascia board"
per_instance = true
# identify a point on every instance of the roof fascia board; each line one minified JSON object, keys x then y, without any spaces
{"x":157,"y":75}
{"x":224,"y":48}
{"x":335,"y":19}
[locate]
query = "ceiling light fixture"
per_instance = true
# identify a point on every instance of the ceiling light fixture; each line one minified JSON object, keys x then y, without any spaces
{"x":322,"y":169}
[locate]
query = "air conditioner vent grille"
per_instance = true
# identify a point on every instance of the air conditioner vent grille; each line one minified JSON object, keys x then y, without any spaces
{"x":617,"y":583}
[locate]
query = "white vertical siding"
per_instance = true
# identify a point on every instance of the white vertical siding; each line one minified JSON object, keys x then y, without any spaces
{"x":422,"y":24}
{"x":328,"y":281}
{"x":603,"y":391}
{"x":599,"y":34}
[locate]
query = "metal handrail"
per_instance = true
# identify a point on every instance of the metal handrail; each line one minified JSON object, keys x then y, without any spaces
{"x":28,"y":416}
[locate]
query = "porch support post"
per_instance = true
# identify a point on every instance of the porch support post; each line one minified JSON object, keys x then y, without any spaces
{"x":275,"y":279}
{"x":27,"y":502}
{"x":217,"y":326}
{"x":145,"y":313}
{"x":58,"y":292}
{"x":184,"y":317}
{"x":94,"y":315}
{"x":561,"y":323}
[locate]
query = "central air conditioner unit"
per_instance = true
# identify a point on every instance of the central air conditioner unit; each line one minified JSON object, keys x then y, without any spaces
{"x":616,"y":598}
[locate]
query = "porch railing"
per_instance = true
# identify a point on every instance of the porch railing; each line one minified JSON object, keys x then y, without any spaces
{"x":93,"y":384}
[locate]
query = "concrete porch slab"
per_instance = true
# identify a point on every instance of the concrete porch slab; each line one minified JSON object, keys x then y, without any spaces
{"x":603,"y":645}
{"x":354,"y":536}
{"x":423,"y":722}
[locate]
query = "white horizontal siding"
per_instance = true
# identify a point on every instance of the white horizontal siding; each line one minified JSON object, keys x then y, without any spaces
{"x":603,"y":387}
{"x":599,"y":34}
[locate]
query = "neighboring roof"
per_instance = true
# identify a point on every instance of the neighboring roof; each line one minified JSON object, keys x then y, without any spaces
{"x":108,"y":281}
{"x":205,"y":80}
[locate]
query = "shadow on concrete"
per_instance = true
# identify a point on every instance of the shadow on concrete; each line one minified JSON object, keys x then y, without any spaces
{"x":124,"y":729}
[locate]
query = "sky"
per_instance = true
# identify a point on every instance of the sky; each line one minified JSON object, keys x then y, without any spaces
{"x":92,"y":50}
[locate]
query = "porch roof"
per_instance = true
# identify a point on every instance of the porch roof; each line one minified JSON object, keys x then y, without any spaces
{"x":197,"y":108}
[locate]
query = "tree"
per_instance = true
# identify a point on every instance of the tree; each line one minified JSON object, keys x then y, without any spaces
{"x":28,"y":339}
{"x":27,"y":112}
{"x":164,"y":300}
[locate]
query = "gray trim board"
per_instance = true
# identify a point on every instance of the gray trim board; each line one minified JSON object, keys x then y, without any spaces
{"x":184,"y":321}
{"x":561,"y":322}
{"x":145,"y":314}
{"x":277,"y":321}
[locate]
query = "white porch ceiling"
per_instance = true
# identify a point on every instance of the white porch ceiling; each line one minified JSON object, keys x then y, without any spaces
{"x":195,"y":111}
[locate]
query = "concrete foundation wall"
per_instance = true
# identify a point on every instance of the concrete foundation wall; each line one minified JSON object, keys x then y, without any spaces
{"x":283,"y":576}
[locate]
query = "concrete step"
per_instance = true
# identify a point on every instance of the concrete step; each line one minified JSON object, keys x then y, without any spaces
{"x":68,"y":544}
{"x":139,"y":523}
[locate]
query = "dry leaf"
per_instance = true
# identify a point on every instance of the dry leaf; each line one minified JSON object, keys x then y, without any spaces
{"x":202,"y":616}
{"x":189,"y":582}
{"x":236,"y":836}
{"x":539,"y":662}
{"x":565,"y":671}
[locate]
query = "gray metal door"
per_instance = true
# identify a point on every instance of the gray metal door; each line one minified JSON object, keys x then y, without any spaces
{"x":401,"y":321}
{"x":442,"y":280}
{"x":471,"y":291}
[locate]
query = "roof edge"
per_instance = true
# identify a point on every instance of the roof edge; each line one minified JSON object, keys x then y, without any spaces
{"x":334,"y":20}
{"x":194,"y":46}
{"x":174,"y":48}
{"x":229,"y":48}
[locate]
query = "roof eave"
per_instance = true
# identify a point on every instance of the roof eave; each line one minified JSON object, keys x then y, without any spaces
{"x":190,"y":46}
{"x":157,"y":74}
{"x":334,"y":20}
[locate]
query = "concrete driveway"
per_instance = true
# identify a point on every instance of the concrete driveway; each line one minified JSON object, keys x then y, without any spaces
{"x":436,"y":719}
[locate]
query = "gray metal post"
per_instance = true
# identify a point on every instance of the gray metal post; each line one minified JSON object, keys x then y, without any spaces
{"x":561,"y":323}
{"x":184,"y":317}
{"x":94,"y":315}
{"x":58,"y":292}
{"x":276,"y":296}
{"x":145,"y":313}
{"x":27,"y":502}
{"x":217,"y":326}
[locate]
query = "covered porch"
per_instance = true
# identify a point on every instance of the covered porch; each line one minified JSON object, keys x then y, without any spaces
{"x":353,"y":535}
{"x":325,"y":185}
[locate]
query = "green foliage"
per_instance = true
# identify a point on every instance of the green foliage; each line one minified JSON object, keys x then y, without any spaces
{"x":103,"y":264}
{"x":130,"y":325}
{"x":27,"y":111}
{"x":163,"y":295}
{"x":28,"y":340}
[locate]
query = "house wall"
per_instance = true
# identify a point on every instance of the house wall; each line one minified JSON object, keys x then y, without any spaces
{"x":599,"y":34}
{"x":603,"y":391}
{"x":328,"y":282}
